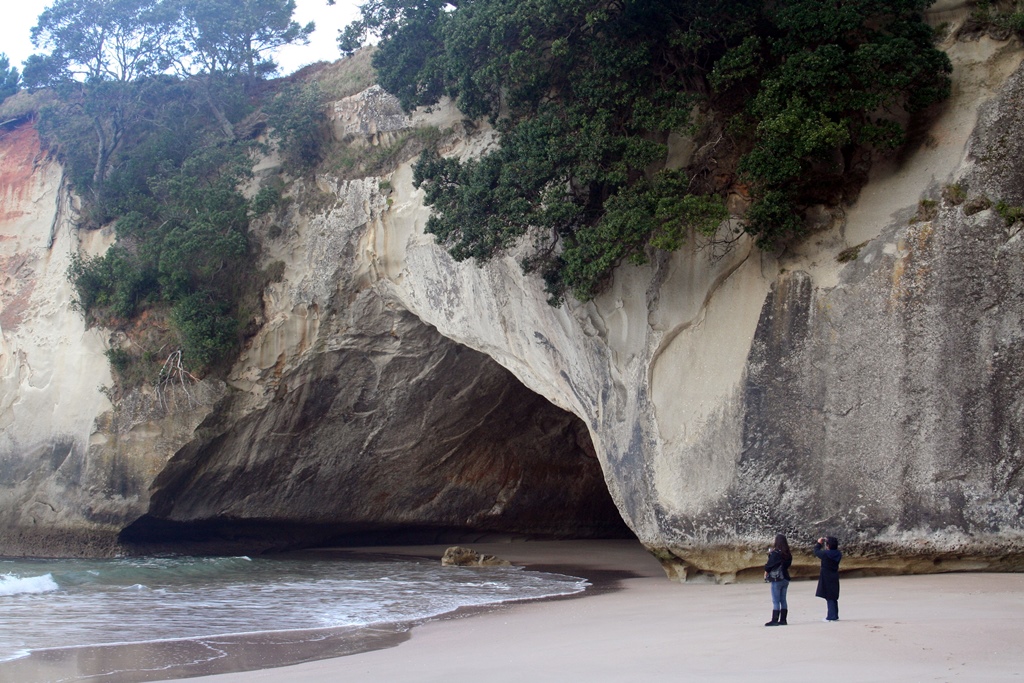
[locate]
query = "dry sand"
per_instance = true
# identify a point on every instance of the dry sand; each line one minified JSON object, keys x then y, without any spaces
{"x":967,"y":627}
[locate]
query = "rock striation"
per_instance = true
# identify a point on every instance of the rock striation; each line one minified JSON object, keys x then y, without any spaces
{"x":865,"y":383}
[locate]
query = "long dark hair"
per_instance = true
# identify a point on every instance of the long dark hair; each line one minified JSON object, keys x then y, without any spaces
{"x":782,"y":545}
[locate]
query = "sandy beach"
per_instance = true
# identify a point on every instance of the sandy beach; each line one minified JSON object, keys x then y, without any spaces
{"x":640,"y":626}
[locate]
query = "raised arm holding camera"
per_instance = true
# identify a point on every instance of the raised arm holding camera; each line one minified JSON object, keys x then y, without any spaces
{"x":827,"y":550}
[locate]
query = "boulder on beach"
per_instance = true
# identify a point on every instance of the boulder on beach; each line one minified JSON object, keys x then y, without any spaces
{"x":457,"y":556}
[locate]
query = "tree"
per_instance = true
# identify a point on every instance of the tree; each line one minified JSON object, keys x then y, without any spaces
{"x":237,"y":36}
{"x":297,"y":123}
{"x":98,"y":40}
{"x":98,"y":52}
{"x":133,"y":79}
{"x":410,"y":32}
{"x":218,"y":40}
{"x":585,"y":95}
{"x":10,"y":79}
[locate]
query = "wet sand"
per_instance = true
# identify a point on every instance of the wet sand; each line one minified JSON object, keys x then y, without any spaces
{"x":636,"y":625}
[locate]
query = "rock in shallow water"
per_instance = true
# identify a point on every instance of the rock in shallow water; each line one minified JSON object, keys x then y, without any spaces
{"x":457,"y":556}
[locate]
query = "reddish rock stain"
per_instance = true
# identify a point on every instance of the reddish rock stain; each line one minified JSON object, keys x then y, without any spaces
{"x":20,"y":151}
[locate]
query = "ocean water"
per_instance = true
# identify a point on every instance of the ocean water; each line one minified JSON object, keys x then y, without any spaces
{"x":152,"y":618}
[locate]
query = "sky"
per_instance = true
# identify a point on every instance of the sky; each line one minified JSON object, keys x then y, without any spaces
{"x":20,"y":16}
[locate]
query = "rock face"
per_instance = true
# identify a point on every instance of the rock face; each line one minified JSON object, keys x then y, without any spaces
{"x":874,"y":398}
{"x":347,"y":419}
{"x":864,"y":384}
{"x":398,"y":435}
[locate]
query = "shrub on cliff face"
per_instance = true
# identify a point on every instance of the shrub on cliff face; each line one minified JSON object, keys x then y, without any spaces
{"x":820,"y":82}
{"x":207,"y":328}
{"x":298,"y":124}
{"x":998,"y":19}
{"x":182,"y":234}
{"x":585,"y":94}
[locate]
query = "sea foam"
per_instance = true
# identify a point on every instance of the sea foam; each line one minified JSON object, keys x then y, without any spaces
{"x":16,"y":585}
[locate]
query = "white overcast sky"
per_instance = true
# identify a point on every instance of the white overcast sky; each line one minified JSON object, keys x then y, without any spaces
{"x":19,"y":16}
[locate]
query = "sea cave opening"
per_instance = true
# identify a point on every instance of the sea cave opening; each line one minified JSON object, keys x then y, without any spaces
{"x":424,"y":442}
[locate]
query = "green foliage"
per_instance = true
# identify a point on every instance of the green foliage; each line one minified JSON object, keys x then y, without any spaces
{"x":657,"y":213}
{"x":120,"y":360}
{"x":998,"y":18}
{"x":927,"y":209}
{"x":954,"y":193}
{"x":408,"y":32}
{"x":585,"y":94}
{"x":181,"y":243}
{"x":123,"y":40}
{"x":98,"y":40}
{"x":815,"y":90}
{"x":298,"y":124}
{"x":774,"y":214}
{"x":10,"y":79}
{"x":228,"y":36}
{"x":181,"y":225}
{"x":266,"y":200}
{"x":109,"y":59}
{"x":1009,"y":213}
{"x":110,"y":287}
{"x":577,"y":129}
{"x":207,"y":328}
{"x":361,"y":160}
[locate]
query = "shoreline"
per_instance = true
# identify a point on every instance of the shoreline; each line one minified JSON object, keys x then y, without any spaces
{"x":942,"y":627}
{"x":193,"y":658}
{"x":632,"y":623}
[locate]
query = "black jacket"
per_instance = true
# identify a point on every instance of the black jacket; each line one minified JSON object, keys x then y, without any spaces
{"x":775,"y":558}
{"x":828,"y":580}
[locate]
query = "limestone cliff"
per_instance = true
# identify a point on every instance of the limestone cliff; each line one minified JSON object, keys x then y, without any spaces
{"x":865,"y":383}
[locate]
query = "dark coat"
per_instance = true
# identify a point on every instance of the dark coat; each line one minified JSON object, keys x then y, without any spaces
{"x":775,"y":558}
{"x":828,"y":580}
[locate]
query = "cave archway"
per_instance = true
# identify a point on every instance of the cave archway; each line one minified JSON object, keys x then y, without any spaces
{"x":403,"y":437}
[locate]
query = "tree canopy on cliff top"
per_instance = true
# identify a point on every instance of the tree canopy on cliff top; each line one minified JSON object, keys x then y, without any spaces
{"x":586,"y":93}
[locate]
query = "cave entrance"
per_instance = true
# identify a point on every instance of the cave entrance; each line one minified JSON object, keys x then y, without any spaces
{"x":409,"y":438}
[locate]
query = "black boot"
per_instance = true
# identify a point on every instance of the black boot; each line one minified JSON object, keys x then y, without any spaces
{"x":782,"y":617}
{"x":775,"y":618}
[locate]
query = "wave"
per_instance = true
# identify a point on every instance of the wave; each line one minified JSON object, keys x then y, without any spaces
{"x":150,"y":599}
{"x":11,"y":584}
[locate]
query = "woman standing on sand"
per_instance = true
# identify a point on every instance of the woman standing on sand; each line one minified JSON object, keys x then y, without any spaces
{"x":776,"y":573}
{"x":828,"y":579}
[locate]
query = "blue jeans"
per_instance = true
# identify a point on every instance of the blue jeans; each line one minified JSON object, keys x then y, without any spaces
{"x":833,"y":610}
{"x":779,"y":589}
